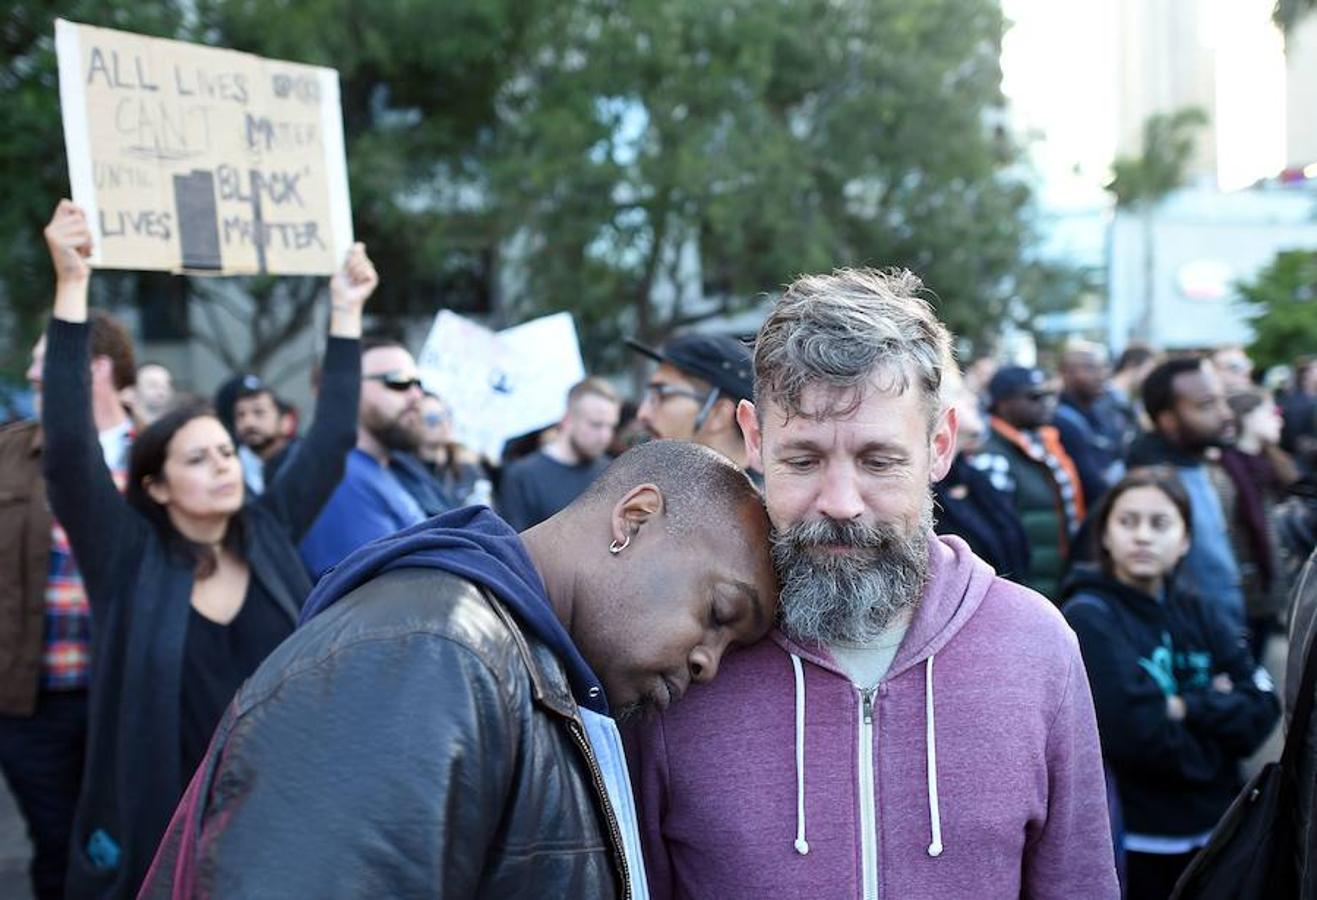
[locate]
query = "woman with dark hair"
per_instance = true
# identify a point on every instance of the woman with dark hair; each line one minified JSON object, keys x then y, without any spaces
{"x":1259,"y":474}
{"x":456,"y":469}
{"x":1179,"y":700}
{"x":190,"y":587}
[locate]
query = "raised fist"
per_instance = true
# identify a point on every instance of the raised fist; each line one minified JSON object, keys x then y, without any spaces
{"x":353,"y":284}
{"x":68,"y":236}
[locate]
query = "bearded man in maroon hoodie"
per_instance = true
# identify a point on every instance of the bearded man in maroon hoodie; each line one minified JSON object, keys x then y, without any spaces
{"x":917,"y":727}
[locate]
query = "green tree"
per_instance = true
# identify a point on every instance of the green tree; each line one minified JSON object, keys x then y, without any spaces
{"x":1141,"y":183}
{"x":32,"y":152}
{"x":643,"y":165}
{"x":1168,"y":143}
{"x":768,"y":138}
{"x":1283,"y":300}
{"x":1287,"y":13}
{"x":419,"y":82}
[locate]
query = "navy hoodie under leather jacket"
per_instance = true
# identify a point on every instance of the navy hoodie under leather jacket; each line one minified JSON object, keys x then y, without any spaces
{"x":418,"y":735}
{"x":475,"y":544}
{"x":1175,"y":779}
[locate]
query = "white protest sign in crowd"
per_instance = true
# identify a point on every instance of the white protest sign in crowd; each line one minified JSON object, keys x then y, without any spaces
{"x":501,"y":384}
{"x":196,"y":158}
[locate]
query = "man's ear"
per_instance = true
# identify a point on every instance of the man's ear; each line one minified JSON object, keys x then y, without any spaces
{"x":101,"y":367}
{"x":1166,"y":423}
{"x":748,"y":419}
{"x":642,"y":504}
{"x":942,"y":444}
{"x":722,"y":418}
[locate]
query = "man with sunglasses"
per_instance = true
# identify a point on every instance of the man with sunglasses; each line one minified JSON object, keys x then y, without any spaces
{"x":372,"y":500}
{"x":1023,"y":457}
{"x":692,"y":395}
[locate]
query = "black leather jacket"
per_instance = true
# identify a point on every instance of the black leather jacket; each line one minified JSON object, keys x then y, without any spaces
{"x":1303,"y":631}
{"x":409,"y":741}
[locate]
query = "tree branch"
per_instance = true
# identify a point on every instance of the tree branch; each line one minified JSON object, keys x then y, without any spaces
{"x":303,"y":310}
{"x":213,"y":341}
{"x":695,"y":318}
{"x":217,"y":348}
{"x":305,"y":361}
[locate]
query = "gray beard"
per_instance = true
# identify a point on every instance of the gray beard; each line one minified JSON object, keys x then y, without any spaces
{"x":829,"y":598}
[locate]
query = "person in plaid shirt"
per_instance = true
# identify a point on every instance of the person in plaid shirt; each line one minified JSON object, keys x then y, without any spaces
{"x":45,"y":622}
{"x":66,"y":647}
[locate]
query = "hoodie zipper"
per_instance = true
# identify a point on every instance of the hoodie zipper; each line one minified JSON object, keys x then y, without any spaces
{"x":868,"y":807}
{"x":601,"y":793}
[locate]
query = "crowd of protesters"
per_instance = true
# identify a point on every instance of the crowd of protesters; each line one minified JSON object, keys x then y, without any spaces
{"x":159,"y":547}
{"x":1161,"y":511}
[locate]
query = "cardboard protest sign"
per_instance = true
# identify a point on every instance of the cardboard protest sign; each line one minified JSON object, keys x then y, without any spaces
{"x":501,"y":384}
{"x":195,"y":158}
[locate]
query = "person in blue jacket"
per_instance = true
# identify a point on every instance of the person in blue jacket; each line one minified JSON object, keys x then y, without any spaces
{"x":1180,"y":701}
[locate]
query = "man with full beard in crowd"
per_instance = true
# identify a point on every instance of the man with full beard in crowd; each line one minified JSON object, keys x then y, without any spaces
{"x":261,"y":427}
{"x":917,"y":727}
{"x":371,"y":501}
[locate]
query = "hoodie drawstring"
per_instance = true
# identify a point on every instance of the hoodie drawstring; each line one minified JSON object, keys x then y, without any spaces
{"x":802,"y":845}
{"x":934,"y":815}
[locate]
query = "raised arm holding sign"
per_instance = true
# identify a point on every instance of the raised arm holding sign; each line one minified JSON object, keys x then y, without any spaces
{"x":190,"y":582}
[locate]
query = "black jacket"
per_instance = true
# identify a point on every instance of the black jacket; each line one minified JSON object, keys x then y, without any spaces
{"x":1175,"y":779}
{"x":140,"y":594}
{"x":970,"y":507}
{"x":1303,"y":631}
{"x":411,"y":740}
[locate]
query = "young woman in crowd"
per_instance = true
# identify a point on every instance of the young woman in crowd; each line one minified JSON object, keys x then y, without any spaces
{"x":456,"y":469}
{"x":1180,"y":701}
{"x":189,"y":585}
{"x":1259,"y":473}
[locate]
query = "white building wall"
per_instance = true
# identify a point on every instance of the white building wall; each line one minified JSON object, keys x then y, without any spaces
{"x":1203,"y":243}
{"x":1165,"y":63}
{"x":1301,"y":93}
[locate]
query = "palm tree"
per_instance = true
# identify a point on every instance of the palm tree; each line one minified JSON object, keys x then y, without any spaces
{"x":1141,"y":183}
{"x":1288,"y":13}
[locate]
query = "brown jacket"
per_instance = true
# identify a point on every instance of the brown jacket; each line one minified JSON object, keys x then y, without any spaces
{"x":25,"y":524}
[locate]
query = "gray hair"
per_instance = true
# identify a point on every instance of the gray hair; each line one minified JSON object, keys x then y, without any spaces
{"x":843,"y":330}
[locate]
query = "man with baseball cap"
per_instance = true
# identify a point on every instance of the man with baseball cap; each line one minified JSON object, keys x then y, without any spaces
{"x":1024,"y":458}
{"x":692,"y":395}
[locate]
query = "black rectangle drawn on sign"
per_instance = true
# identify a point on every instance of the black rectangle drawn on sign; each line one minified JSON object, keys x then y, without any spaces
{"x":198,"y":220}
{"x":258,"y":221}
